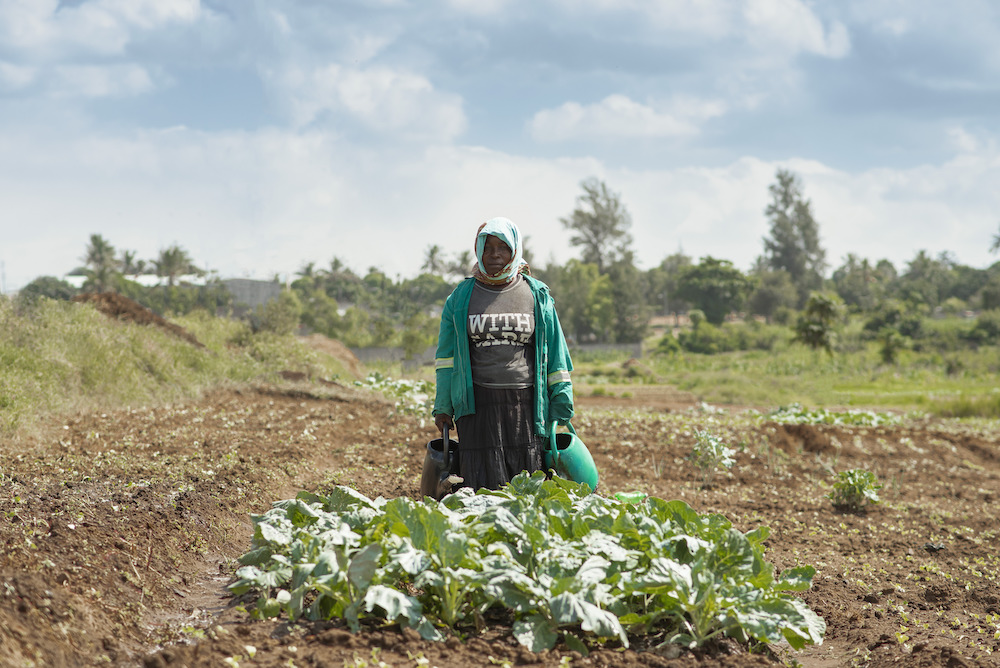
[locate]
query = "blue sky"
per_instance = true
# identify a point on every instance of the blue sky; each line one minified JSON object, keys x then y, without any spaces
{"x":263,"y":134}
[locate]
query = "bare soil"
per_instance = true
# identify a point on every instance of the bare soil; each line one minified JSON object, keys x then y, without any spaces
{"x":119,"y":531}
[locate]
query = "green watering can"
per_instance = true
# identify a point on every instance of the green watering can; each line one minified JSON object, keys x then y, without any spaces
{"x":569,"y":457}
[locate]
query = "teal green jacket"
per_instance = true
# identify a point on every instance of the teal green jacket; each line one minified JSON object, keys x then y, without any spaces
{"x":453,"y":370}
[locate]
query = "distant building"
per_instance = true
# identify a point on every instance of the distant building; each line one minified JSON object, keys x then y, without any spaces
{"x":249,"y":293}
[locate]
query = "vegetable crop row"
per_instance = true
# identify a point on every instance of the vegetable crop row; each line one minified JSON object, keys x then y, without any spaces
{"x":563,"y":562}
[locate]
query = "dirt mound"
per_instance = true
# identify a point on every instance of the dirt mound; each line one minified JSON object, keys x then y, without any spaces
{"x":121,"y":307}
{"x":338,"y":351}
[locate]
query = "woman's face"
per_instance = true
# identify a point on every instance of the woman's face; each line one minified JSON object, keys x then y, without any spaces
{"x":496,"y":255}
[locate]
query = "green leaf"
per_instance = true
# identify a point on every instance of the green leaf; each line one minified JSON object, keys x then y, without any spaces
{"x":662,"y":575}
{"x":788,"y":618}
{"x":363,"y":566}
{"x":576,"y":644}
{"x":299,"y":513}
{"x":795,"y":579}
{"x":393,"y":603}
{"x":310,"y":498}
{"x":569,"y":608}
{"x":328,"y":562}
{"x":594,"y":570}
{"x":296,"y":602}
{"x":535,"y":633}
{"x":275,"y":578}
{"x":256,"y":557}
{"x":272,"y":534}
{"x":409,"y":559}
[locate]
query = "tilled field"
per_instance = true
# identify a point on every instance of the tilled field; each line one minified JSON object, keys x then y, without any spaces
{"x":119,"y":531}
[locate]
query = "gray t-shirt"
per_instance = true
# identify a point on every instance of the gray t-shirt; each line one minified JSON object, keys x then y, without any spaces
{"x":502,"y":335}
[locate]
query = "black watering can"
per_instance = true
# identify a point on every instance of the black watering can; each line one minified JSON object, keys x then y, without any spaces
{"x":440,"y":474}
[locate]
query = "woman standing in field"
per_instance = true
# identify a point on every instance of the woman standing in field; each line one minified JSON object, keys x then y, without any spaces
{"x":502,"y":365}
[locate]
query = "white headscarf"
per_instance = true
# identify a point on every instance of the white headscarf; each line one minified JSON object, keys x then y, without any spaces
{"x":506,"y":231}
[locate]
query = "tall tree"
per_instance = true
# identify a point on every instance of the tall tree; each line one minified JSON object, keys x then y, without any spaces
{"x":600,"y":225}
{"x":772,"y":291}
{"x":572,"y":287}
{"x":102,"y":267}
{"x":995,"y":246}
{"x":714,"y":286}
{"x":173,"y":262}
{"x":342,"y":284}
{"x":662,"y":281}
{"x":793,"y":243}
{"x":860,"y":284}
{"x":628,"y":288}
{"x":461,"y":264}
{"x":927,"y":280}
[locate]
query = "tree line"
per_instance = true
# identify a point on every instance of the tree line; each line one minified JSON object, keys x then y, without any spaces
{"x":602,"y":296}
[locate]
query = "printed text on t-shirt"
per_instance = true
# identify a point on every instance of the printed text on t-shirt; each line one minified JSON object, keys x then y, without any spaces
{"x":501,"y":329}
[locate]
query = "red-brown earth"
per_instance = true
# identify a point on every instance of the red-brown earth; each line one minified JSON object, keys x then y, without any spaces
{"x":120,"y":530}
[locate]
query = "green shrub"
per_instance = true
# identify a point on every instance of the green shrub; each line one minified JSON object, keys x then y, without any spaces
{"x":45,"y":286}
{"x":710,"y":454}
{"x":986,"y":331}
{"x":891,"y":342}
{"x":854,"y":489}
{"x":668,"y":345}
{"x":709,"y":339}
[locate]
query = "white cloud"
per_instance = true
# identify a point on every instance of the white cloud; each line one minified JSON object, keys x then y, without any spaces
{"x":14,"y":77}
{"x":256,"y":204}
{"x":42,"y":30}
{"x":99,"y":81}
{"x":479,"y":7}
{"x":617,"y":116}
{"x":708,"y":18}
{"x":791,"y":25}
{"x":383,"y":99}
{"x":962,"y":140}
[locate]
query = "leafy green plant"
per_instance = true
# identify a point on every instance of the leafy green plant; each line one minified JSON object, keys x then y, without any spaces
{"x":412,"y":397}
{"x":710,"y":454}
{"x":567,"y":564}
{"x":794,"y":413}
{"x":854,"y":489}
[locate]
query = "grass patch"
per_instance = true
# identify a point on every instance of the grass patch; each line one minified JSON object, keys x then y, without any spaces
{"x":953,"y":384}
{"x":964,"y":406}
{"x":58,"y":357}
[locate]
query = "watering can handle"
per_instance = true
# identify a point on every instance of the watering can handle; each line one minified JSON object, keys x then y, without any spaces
{"x":552,"y":438}
{"x":552,"y":443}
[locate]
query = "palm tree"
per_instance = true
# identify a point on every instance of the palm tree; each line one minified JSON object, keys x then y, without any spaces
{"x":313,"y":275}
{"x":102,"y":268}
{"x":995,"y":246}
{"x":131,"y":266}
{"x":173,"y":262}
{"x":461,"y":265}
{"x":433,"y":262}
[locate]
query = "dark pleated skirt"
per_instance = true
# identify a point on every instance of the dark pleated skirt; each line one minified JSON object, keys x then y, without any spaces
{"x":498,"y":441}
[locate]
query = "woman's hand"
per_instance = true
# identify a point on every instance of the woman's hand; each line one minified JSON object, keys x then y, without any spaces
{"x":441,"y":420}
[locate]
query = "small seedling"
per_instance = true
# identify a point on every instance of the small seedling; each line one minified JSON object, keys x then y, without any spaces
{"x":854,"y":489}
{"x":709,"y":454}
